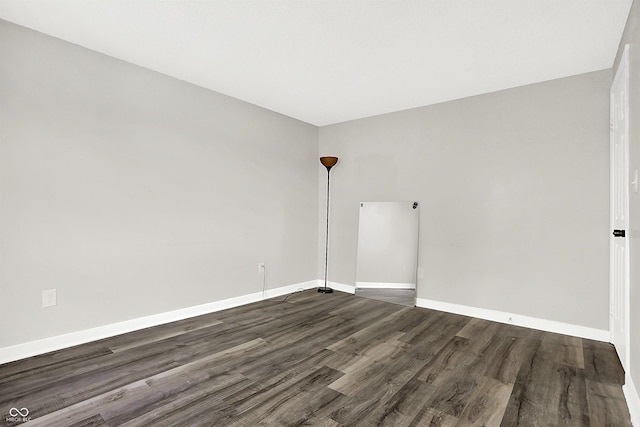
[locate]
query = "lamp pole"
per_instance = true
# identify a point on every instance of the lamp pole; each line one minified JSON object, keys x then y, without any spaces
{"x":327,"y":162}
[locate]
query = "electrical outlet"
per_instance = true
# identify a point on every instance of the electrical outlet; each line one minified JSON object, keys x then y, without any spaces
{"x":260,"y":267}
{"x":49,"y":298}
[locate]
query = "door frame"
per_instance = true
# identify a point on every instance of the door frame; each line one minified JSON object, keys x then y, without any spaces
{"x":621,"y":73}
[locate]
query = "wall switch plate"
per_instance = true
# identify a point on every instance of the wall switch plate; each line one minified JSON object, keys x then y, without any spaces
{"x":260,"y":267}
{"x":49,"y":298}
{"x":420,"y":273}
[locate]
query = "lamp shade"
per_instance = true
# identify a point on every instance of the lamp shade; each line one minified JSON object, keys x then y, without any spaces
{"x":329,"y":161}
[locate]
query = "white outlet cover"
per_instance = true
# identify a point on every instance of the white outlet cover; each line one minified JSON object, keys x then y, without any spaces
{"x":49,"y":298}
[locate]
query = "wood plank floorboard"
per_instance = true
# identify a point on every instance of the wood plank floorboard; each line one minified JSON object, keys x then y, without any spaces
{"x":317,"y":359}
{"x":397,"y":296}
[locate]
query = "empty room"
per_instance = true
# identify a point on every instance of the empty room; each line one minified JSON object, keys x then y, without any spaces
{"x":322,"y":213}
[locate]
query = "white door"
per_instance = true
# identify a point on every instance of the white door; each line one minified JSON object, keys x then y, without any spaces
{"x":619,"y":247}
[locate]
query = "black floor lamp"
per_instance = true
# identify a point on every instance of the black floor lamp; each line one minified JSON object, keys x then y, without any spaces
{"x":327,"y":162}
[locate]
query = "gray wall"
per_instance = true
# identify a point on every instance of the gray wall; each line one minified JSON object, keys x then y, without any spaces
{"x":514,"y":193}
{"x":134,"y":193}
{"x":631,"y":36}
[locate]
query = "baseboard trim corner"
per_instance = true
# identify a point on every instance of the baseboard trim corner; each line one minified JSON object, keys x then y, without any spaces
{"x":517,"y":319}
{"x":46,"y":345}
{"x":350,"y":289}
{"x":633,"y":399}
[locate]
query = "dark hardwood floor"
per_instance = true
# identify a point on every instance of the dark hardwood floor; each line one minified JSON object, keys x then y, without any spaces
{"x":397,"y":296}
{"x":322,"y":360}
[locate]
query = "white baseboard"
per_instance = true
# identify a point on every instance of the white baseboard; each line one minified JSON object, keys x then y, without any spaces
{"x":33,"y":348}
{"x":633,"y":399}
{"x":46,"y":345}
{"x":499,"y":316}
{"x":382,"y":285}
{"x":284,"y":290}
{"x":350,"y":289}
{"x":517,"y":320}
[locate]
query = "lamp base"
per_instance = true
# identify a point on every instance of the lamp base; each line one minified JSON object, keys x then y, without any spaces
{"x":324,"y":290}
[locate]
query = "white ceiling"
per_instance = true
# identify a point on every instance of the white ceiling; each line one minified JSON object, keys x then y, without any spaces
{"x":328,"y":61}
